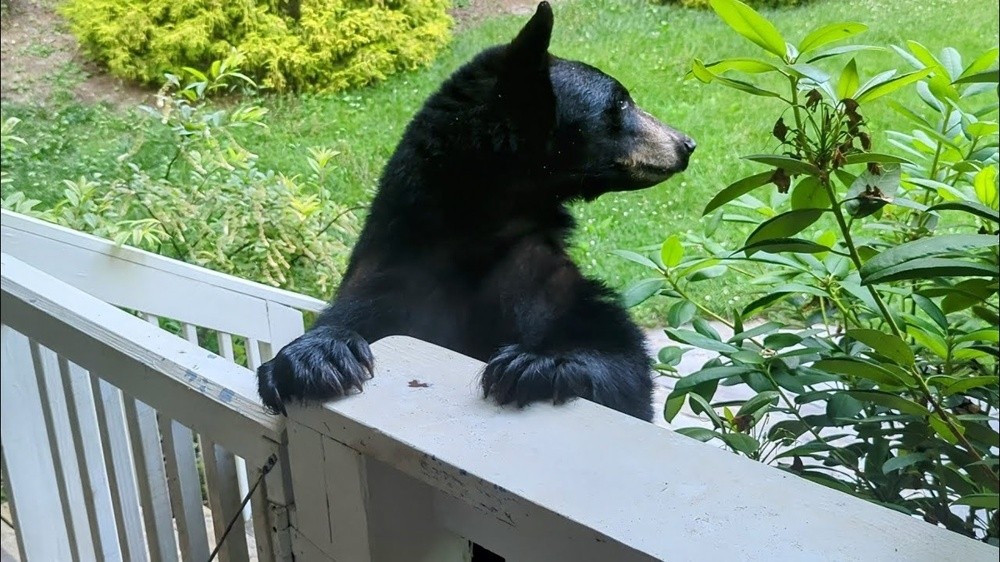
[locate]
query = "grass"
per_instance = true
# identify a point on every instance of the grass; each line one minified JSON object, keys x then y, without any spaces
{"x":648,"y":48}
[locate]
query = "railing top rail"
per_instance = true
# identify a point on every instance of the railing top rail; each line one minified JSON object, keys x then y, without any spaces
{"x":182,"y":381}
{"x":16,"y":225}
{"x":593,"y":473}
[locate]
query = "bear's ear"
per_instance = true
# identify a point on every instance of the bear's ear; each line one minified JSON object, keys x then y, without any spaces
{"x":524,"y":86}
{"x":530,"y":49}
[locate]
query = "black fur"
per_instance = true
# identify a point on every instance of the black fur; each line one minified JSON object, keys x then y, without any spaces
{"x":465,"y":243}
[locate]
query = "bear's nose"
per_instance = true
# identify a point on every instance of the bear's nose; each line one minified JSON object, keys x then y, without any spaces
{"x":689,"y":144}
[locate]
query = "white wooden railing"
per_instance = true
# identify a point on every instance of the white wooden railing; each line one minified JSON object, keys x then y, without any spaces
{"x":97,"y":396}
{"x":106,"y":418}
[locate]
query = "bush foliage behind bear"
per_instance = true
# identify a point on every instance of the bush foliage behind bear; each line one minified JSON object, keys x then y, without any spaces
{"x":311,"y":45}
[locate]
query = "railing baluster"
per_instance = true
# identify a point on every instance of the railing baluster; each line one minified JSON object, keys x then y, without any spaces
{"x":189,"y":332}
{"x":226,"y":346}
{"x":61,"y":398}
{"x":151,"y":480}
{"x":57,"y":460}
{"x":253,"y":354}
{"x":151,"y":318}
{"x":118,"y":461}
{"x":90,"y":459}
{"x":185,"y":490}
{"x":21,"y":555}
{"x":253,"y":361}
{"x":31,"y":477}
{"x":226,"y":350}
{"x":224,"y":500}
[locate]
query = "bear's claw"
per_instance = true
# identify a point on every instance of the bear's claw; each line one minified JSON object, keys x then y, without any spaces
{"x":324,"y":363}
{"x":515,"y":374}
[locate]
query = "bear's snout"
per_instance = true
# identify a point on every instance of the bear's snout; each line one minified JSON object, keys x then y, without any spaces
{"x":690,"y":145}
{"x":657,"y":151}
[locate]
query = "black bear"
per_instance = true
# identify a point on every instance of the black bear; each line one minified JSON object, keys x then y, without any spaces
{"x":465,"y":242}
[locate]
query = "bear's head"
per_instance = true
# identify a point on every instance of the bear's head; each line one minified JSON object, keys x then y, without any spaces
{"x":518,"y":122}
{"x":596,"y":139}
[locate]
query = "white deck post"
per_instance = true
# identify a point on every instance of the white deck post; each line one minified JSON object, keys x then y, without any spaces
{"x":350,"y":507}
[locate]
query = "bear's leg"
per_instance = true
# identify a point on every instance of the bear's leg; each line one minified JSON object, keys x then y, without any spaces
{"x":326,"y":362}
{"x":590,"y":350}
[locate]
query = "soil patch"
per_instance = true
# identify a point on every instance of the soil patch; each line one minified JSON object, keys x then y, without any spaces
{"x":470,"y":12}
{"x":41,"y":59}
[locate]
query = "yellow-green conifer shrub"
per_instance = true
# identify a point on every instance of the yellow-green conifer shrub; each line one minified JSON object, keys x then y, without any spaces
{"x":298,"y":45}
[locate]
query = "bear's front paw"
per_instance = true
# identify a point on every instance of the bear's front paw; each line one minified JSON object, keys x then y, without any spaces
{"x":515,"y":374}
{"x":324,"y":363}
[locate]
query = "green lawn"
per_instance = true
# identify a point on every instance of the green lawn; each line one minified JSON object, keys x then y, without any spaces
{"x":647,"y":47}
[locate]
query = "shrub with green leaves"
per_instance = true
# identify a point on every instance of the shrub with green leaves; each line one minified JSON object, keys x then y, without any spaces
{"x":190,"y":191}
{"x":871,"y":357}
{"x":320,"y":45}
{"x":9,"y":143}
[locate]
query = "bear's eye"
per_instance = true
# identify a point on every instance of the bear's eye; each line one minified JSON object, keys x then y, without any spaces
{"x":623,"y":105}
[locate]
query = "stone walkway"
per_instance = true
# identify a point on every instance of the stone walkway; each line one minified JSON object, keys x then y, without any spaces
{"x":8,"y":537}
